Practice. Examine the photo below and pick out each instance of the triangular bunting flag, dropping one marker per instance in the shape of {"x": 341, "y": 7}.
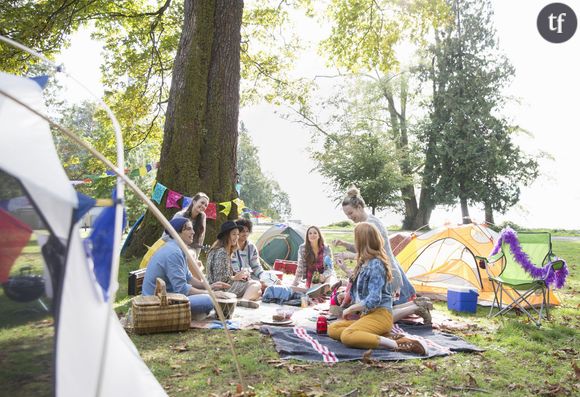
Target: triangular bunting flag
{"x": 186, "y": 201}
{"x": 172, "y": 199}
{"x": 158, "y": 193}
{"x": 227, "y": 207}
{"x": 240, "y": 205}
{"x": 142, "y": 171}
{"x": 211, "y": 211}
{"x": 14, "y": 235}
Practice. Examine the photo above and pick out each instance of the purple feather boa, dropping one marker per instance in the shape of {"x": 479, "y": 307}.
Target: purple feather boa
{"x": 556, "y": 278}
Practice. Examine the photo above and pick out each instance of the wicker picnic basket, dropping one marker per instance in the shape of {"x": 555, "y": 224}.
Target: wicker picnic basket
{"x": 162, "y": 312}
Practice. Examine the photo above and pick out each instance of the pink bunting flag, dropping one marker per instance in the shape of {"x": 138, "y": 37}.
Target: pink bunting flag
{"x": 211, "y": 211}
{"x": 172, "y": 199}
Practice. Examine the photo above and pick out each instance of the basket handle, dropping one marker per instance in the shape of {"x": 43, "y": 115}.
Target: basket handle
{"x": 161, "y": 291}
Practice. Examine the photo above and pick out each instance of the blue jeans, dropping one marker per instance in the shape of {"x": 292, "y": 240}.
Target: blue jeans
{"x": 407, "y": 289}
{"x": 200, "y": 303}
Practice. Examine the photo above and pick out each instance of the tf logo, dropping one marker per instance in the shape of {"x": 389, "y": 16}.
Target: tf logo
{"x": 557, "y": 23}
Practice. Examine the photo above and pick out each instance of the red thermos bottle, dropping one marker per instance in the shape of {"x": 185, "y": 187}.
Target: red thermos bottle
{"x": 321, "y": 325}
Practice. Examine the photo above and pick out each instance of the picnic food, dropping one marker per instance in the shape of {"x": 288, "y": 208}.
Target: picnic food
{"x": 278, "y": 317}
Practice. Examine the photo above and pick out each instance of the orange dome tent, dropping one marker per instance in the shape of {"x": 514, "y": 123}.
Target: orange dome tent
{"x": 444, "y": 258}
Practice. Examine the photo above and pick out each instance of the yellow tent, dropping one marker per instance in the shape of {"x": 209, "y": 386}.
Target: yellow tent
{"x": 444, "y": 259}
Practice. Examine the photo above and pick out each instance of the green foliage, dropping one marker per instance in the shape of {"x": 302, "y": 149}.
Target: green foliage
{"x": 341, "y": 224}
{"x": 86, "y": 121}
{"x": 358, "y": 146}
{"x": 475, "y": 159}
{"x": 259, "y": 192}
{"x": 365, "y": 32}
{"x": 365, "y": 159}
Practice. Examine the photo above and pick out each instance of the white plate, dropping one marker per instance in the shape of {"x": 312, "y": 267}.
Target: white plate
{"x": 272, "y": 322}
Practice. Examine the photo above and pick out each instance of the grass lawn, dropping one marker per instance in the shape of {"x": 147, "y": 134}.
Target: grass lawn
{"x": 520, "y": 359}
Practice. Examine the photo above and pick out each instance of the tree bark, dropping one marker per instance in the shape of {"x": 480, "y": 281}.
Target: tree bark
{"x": 489, "y": 214}
{"x": 401, "y": 139}
{"x": 464, "y": 211}
{"x": 201, "y": 127}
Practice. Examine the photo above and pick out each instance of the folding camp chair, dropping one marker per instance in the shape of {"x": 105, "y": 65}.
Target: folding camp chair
{"x": 515, "y": 282}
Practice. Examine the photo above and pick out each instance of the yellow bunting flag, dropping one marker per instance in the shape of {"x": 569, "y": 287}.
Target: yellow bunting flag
{"x": 240, "y": 204}
{"x": 142, "y": 171}
{"x": 227, "y": 207}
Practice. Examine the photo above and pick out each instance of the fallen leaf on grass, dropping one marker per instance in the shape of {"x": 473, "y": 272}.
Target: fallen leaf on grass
{"x": 180, "y": 349}
{"x": 397, "y": 389}
{"x": 553, "y": 389}
{"x": 43, "y": 324}
{"x": 240, "y": 391}
{"x": 431, "y": 366}
{"x": 576, "y": 369}
{"x": 514, "y": 386}
{"x": 292, "y": 368}
{"x": 366, "y": 358}
{"x": 472, "y": 381}
{"x": 217, "y": 370}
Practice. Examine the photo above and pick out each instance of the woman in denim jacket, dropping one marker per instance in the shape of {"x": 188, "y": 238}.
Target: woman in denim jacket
{"x": 373, "y": 298}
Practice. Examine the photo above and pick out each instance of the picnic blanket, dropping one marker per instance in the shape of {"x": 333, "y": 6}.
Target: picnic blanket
{"x": 302, "y": 344}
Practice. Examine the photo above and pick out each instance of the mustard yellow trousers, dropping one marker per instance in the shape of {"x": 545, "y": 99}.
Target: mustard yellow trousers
{"x": 363, "y": 333}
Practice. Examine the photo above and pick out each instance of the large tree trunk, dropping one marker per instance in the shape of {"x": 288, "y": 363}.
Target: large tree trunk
{"x": 201, "y": 127}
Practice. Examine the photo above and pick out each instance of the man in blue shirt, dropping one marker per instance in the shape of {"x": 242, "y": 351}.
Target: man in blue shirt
{"x": 169, "y": 263}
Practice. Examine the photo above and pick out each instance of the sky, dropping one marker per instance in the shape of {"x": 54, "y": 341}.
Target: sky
{"x": 545, "y": 88}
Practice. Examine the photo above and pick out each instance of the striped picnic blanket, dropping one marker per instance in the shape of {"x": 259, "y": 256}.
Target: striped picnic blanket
{"x": 302, "y": 344}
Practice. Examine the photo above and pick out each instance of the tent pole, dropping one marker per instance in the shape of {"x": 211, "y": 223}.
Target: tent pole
{"x": 154, "y": 210}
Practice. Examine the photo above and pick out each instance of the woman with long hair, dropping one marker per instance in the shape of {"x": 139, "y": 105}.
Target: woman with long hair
{"x": 219, "y": 266}
{"x": 373, "y": 298}
{"x": 195, "y": 212}
{"x": 314, "y": 261}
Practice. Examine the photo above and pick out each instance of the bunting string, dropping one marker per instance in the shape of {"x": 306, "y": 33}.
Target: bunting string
{"x": 173, "y": 198}
{"x": 140, "y": 171}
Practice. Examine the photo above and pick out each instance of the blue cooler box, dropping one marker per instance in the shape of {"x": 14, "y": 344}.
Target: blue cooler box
{"x": 462, "y": 299}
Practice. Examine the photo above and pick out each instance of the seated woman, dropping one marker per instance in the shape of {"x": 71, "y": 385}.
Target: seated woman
{"x": 219, "y": 266}
{"x": 170, "y": 264}
{"x": 315, "y": 263}
{"x": 373, "y": 298}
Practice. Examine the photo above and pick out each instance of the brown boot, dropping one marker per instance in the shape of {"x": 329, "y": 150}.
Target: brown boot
{"x": 408, "y": 345}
